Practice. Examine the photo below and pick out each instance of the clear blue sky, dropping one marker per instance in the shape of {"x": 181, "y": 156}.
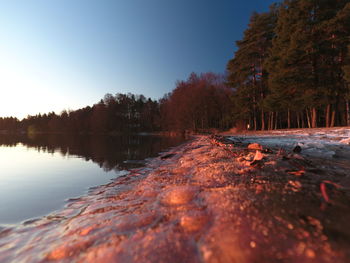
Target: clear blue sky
{"x": 60, "y": 54}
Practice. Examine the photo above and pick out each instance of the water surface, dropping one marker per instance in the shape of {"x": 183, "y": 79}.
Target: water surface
{"x": 39, "y": 173}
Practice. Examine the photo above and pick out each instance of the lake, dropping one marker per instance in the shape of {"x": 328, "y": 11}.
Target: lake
{"x": 39, "y": 173}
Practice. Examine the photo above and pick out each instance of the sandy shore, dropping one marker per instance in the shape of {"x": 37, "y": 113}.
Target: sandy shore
{"x": 209, "y": 200}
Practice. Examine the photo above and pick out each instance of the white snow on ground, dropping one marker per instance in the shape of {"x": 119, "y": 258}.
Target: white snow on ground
{"x": 323, "y": 143}
{"x": 332, "y": 134}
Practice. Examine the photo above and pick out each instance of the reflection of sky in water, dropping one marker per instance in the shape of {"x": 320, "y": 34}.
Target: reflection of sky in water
{"x": 35, "y": 183}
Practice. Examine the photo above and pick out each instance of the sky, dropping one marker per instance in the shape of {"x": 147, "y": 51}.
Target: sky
{"x": 67, "y": 54}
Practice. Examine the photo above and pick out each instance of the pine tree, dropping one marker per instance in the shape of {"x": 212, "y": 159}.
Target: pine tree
{"x": 306, "y": 59}
{"x": 331, "y": 33}
{"x": 346, "y": 71}
{"x": 246, "y": 70}
{"x": 284, "y": 64}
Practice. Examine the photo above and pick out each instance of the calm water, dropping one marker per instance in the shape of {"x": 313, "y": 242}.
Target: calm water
{"x": 39, "y": 173}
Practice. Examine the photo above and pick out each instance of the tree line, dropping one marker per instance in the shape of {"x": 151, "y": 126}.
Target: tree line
{"x": 290, "y": 70}
{"x": 121, "y": 113}
{"x": 198, "y": 104}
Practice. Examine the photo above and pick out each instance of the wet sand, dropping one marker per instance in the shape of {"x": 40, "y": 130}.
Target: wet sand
{"x": 208, "y": 200}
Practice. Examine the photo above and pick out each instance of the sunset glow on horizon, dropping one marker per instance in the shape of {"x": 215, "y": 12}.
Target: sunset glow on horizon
{"x": 58, "y": 55}
{"x": 31, "y": 87}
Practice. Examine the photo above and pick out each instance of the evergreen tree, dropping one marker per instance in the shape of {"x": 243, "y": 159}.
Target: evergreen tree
{"x": 346, "y": 70}
{"x": 306, "y": 60}
{"x": 247, "y": 75}
{"x": 283, "y": 93}
{"x": 332, "y": 31}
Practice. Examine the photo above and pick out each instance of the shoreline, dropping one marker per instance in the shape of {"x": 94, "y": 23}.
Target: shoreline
{"x": 207, "y": 200}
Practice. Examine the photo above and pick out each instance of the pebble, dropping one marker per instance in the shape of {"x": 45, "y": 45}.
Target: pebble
{"x": 255, "y": 146}
{"x": 252, "y": 244}
{"x": 179, "y": 195}
{"x": 310, "y": 253}
{"x": 258, "y": 156}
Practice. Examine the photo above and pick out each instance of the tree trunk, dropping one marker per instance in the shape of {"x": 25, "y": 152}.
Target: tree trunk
{"x": 255, "y": 125}
{"x": 249, "y": 125}
{"x": 272, "y": 120}
{"x": 288, "y": 118}
{"x": 314, "y": 118}
{"x": 302, "y": 120}
{"x": 276, "y": 121}
{"x": 347, "y": 113}
{"x": 298, "y": 119}
{"x": 308, "y": 118}
{"x": 254, "y": 99}
{"x": 328, "y": 110}
{"x": 333, "y": 118}
{"x": 261, "y": 93}
{"x": 262, "y": 120}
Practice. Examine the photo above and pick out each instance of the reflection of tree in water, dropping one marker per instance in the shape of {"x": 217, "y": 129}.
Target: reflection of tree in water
{"x": 109, "y": 152}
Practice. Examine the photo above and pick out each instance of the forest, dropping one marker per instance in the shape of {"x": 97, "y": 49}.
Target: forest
{"x": 290, "y": 70}
{"x": 122, "y": 113}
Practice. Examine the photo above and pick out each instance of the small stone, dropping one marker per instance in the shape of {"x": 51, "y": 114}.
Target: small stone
{"x": 206, "y": 253}
{"x": 258, "y": 156}
{"x": 310, "y": 253}
{"x": 297, "y": 149}
{"x": 179, "y": 195}
{"x": 255, "y": 146}
{"x": 259, "y": 188}
{"x": 252, "y": 244}
{"x": 265, "y": 232}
